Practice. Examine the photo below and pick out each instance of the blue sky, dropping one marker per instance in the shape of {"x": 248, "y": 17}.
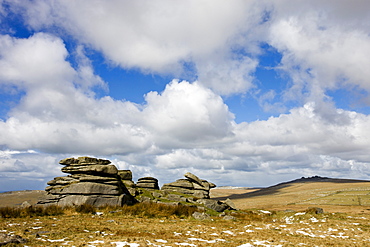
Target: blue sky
{"x": 243, "y": 93}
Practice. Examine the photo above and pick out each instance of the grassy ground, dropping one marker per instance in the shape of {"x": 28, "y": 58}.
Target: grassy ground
{"x": 333, "y": 197}
{"x": 276, "y": 216}
{"x": 16, "y": 198}
{"x": 251, "y": 228}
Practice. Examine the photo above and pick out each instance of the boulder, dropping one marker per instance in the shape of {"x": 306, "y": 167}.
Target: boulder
{"x": 230, "y": 204}
{"x": 201, "y": 216}
{"x": 193, "y": 178}
{"x": 10, "y": 239}
{"x": 148, "y": 183}
{"x": 126, "y": 178}
{"x": 125, "y": 174}
{"x": 214, "y": 205}
{"x": 192, "y": 185}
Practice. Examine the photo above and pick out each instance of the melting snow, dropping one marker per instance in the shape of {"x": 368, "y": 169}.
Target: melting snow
{"x": 265, "y": 212}
{"x": 302, "y": 213}
{"x": 122, "y": 244}
{"x": 161, "y": 241}
{"x": 97, "y": 242}
{"x": 56, "y": 240}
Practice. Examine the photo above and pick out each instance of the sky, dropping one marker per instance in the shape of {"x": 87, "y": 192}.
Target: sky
{"x": 241, "y": 93}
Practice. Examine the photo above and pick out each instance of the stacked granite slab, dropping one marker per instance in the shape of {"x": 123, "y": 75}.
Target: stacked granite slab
{"x": 192, "y": 185}
{"x": 91, "y": 181}
{"x": 148, "y": 183}
{"x": 126, "y": 178}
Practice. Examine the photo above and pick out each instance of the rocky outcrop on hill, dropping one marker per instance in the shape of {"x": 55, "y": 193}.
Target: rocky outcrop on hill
{"x": 148, "y": 183}
{"x": 91, "y": 181}
{"x": 192, "y": 185}
{"x": 98, "y": 182}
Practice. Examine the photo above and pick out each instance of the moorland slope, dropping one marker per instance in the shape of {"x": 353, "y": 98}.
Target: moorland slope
{"x": 331, "y": 194}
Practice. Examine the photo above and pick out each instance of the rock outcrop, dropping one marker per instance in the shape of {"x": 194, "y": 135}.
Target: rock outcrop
{"x": 98, "y": 182}
{"x": 192, "y": 185}
{"x": 148, "y": 183}
{"x": 91, "y": 181}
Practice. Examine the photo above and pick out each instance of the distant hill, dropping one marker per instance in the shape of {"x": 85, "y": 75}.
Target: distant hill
{"x": 16, "y": 198}
{"x": 333, "y": 194}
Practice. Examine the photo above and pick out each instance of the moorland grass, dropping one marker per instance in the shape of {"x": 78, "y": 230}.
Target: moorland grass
{"x": 128, "y": 224}
{"x": 147, "y": 209}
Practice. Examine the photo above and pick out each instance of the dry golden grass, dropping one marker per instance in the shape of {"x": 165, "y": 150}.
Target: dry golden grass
{"x": 331, "y": 196}
{"x": 256, "y": 228}
{"x": 264, "y": 221}
{"x": 15, "y": 198}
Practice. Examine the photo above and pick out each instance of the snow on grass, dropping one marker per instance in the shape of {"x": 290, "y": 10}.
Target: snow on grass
{"x": 161, "y": 241}
{"x": 97, "y": 242}
{"x": 125, "y": 244}
{"x": 265, "y": 211}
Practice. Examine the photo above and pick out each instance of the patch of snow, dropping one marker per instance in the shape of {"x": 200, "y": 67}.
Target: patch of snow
{"x": 314, "y": 220}
{"x": 97, "y": 242}
{"x": 161, "y": 241}
{"x": 265, "y": 211}
{"x": 122, "y": 244}
{"x": 56, "y": 240}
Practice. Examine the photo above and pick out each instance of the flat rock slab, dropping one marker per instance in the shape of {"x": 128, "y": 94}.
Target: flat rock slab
{"x": 91, "y": 169}
{"x": 84, "y": 160}
{"x": 95, "y": 200}
{"x": 88, "y": 188}
{"x": 181, "y": 183}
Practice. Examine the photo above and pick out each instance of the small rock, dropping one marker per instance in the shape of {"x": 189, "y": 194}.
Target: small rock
{"x": 11, "y": 239}
{"x": 229, "y": 217}
{"x": 315, "y": 210}
{"x": 25, "y": 204}
{"x": 201, "y": 216}
{"x": 231, "y": 204}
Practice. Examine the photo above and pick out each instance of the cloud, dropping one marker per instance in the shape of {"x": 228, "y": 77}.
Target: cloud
{"x": 37, "y": 60}
{"x": 189, "y": 113}
{"x": 59, "y": 114}
{"x": 322, "y": 48}
{"x": 159, "y": 37}
{"x": 187, "y": 126}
